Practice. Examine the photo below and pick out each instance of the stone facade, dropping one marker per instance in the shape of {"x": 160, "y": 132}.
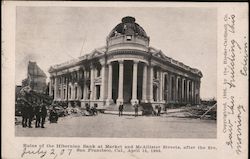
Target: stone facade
{"x": 126, "y": 70}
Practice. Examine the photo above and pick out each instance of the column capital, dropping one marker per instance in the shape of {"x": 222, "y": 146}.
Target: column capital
{"x": 92, "y": 65}
{"x": 145, "y": 64}
{"x": 136, "y": 61}
{"x": 109, "y": 63}
{"x": 102, "y": 62}
{"x": 120, "y": 61}
{"x": 165, "y": 73}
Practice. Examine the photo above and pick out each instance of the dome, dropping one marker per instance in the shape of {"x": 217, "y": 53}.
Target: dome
{"x": 128, "y": 26}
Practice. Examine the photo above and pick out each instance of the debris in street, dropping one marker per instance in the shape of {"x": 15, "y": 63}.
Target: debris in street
{"x": 202, "y": 111}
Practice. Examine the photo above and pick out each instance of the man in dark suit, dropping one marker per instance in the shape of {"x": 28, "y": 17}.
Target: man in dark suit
{"x": 43, "y": 114}
{"x": 136, "y": 106}
{"x": 120, "y": 109}
{"x": 24, "y": 114}
{"x": 38, "y": 110}
{"x": 30, "y": 114}
{"x": 159, "y": 111}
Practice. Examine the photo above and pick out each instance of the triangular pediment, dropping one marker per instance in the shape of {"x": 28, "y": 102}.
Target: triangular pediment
{"x": 95, "y": 53}
{"x": 160, "y": 54}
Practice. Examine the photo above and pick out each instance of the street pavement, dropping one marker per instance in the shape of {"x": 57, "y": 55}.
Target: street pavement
{"x": 108, "y": 125}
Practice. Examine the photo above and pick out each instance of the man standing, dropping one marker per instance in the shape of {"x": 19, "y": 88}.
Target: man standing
{"x": 38, "y": 111}
{"x": 136, "y": 109}
{"x": 43, "y": 114}
{"x": 24, "y": 114}
{"x": 120, "y": 109}
{"x": 30, "y": 114}
{"x": 159, "y": 111}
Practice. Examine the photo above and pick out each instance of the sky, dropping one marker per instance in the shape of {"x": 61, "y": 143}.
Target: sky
{"x": 53, "y": 35}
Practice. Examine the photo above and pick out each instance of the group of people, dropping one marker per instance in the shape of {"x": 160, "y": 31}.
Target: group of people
{"x": 29, "y": 112}
{"x": 157, "y": 110}
{"x": 91, "y": 110}
{"x": 136, "y": 108}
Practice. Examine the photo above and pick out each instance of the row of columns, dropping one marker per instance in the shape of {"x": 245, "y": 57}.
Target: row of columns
{"x": 189, "y": 88}
{"x": 88, "y": 93}
{"x": 186, "y": 92}
{"x": 121, "y": 81}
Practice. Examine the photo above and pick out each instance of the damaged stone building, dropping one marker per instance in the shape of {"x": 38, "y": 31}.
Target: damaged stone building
{"x": 126, "y": 70}
{"x": 36, "y": 78}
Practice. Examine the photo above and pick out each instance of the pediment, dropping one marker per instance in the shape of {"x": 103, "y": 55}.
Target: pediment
{"x": 159, "y": 54}
{"x": 96, "y": 53}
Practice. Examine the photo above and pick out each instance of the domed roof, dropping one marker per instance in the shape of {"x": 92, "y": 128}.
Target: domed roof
{"x": 128, "y": 27}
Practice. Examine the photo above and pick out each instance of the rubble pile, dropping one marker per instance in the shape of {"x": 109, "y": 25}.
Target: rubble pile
{"x": 202, "y": 111}
{"x": 28, "y": 96}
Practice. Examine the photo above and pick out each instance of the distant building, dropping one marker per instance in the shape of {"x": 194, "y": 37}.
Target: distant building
{"x": 36, "y": 78}
{"x": 18, "y": 88}
{"x": 126, "y": 70}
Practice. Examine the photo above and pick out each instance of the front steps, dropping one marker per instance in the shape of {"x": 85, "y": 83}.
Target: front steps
{"x": 127, "y": 107}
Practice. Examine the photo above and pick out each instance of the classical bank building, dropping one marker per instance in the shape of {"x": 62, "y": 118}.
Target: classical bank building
{"x": 126, "y": 70}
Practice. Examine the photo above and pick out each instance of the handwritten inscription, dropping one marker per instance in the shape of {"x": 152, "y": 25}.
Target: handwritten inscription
{"x": 240, "y": 110}
{"x": 244, "y": 63}
{"x": 235, "y": 61}
{"x": 39, "y": 152}
{"x": 42, "y": 152}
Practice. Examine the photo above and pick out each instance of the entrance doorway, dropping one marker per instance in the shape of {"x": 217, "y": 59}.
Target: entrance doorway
{"x": 128, "y": 80}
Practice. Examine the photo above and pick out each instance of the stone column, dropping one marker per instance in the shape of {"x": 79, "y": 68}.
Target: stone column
{"x": 55, "y": 89}
{"x": 163, "y": 87}
{"x": 151, "y": 77}
{"x": 192, "y": 92}
{"x": 109, "y": 98}
{"x": 120, "y": 87}
{"x": 92, "y": 84}
{"x": 85, "y": 89}
{"x": 73, "y": 91}
{"x": 50, "y": 87}
{"x": 188, "y": 93}
{"x": 69, "y": 91}
{"x": 103, "y": 71}
{"x": 62, "y": 98}
{"x": 195, "y": 92}
{"x": 195, "y": 100}
{"x": 144, "y": 84}
{"x": 173, "y": 88}
{"x": 160, "y": 86}
{"x": 183, "y": 89}
{"x": 198, "y": 100}
{"x": 66, "y": 91}
{"x": 134, "y": 89}
{"x": 78, "y": 85}
{"x": 177, "y": 89}
{"x": 170, "y": 87}
{"x": 61, "y": 86}
{"x": 79, "y": 92}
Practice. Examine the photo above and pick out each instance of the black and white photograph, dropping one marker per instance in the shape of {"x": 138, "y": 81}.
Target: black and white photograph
{"x": 116, "y": 72}
{"x": 124, "y": 80}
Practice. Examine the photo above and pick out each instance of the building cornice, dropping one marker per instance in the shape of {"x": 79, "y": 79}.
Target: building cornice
{"x": 161, "y": 57}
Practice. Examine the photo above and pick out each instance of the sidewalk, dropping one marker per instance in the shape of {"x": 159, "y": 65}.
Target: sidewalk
{"x": 123, "y": 113}
{"x": 128, "y": 113}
